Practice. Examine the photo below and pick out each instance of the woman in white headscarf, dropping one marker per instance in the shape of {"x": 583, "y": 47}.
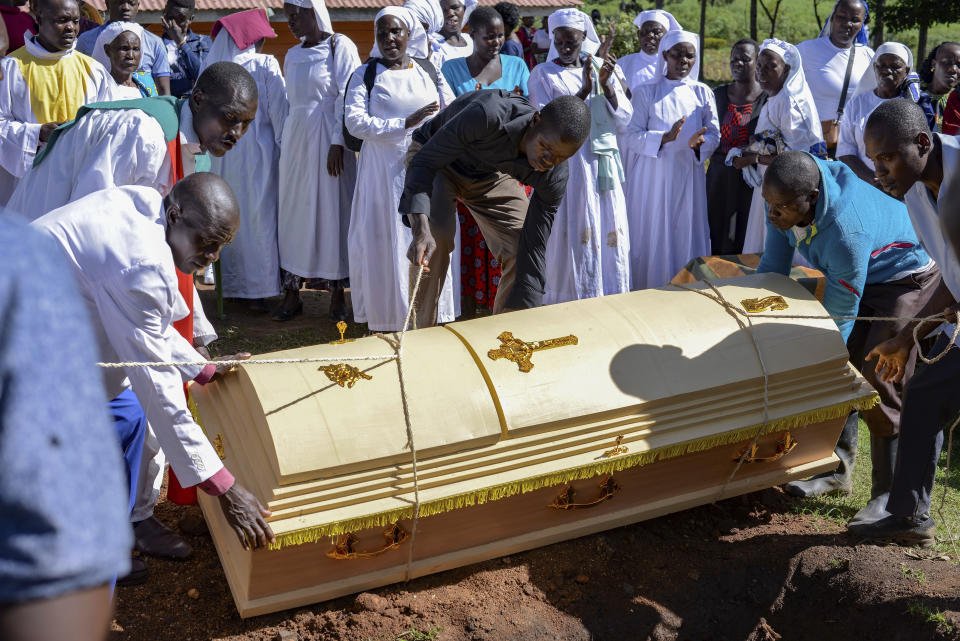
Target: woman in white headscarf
{"x": 890, "y": 76}
{"x": 673, "y": 132}
{"x": 317, "y": 173}
{"x": 450, "y": 42}
{"x": 788, "y": 120}
{"x": 588, "y": 250}
{"x": 250, "y": 265}
{"x": 404, "y": 95}
{"x": 429, "y": 14}
{"x": 118, "y": 48}
{"x": 641, "y": 67}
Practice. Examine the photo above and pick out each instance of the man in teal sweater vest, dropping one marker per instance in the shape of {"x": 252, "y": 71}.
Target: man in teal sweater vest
{"x": 863, "y": 242}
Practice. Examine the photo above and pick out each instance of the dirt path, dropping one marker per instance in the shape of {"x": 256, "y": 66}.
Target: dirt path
{"x": 746, "y": 569}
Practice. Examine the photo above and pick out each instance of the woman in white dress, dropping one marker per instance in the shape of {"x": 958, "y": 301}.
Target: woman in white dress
{"x": 673, "y": 132}
{"x": 890, "y": 76}
{"x": 450, "y": 42}
{"x": 588, "y": 253}
{"x": 317, "y": 173}
{"x": 788, "y": 120}
{"x": 641, "y": 67}
{"x": 404, "y": 95}
{"x": 250, "y": 265}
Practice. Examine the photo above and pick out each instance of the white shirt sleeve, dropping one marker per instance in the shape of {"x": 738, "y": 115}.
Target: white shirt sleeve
{"x": 356, "y": 109}
{"x": 136, "y": 311}
{"x": 646, "y": 141}
{"x": 710, "y": 120}
{"x": 18, "y": 137}
{"x": 345, "y": 62}
{"x": 275, "y": 100}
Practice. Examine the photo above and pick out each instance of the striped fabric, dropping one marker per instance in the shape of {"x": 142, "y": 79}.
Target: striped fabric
{"x": 716, "y": 267}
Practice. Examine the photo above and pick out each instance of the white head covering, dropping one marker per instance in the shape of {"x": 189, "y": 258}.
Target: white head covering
{"x": 868, "y": 81}
{"x": 416, "y": 44}
{"x": 672, "y": 38}
{"x": 109, "y": 34}
{"x": 795, "y": 88}
{"x": 863, "y": 36}
{"x": 319, "y": 9}
{"x": 468, "y": 7}
{"x": 426, "y": 11}
{"x": 666, "y": 19}
{"x": 575, "y": 19}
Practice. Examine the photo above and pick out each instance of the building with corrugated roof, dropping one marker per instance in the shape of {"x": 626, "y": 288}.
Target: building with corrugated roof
{"x": 353, "y": 18}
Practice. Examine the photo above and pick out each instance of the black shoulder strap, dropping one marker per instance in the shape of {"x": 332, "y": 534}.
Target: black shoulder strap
{"x": 429, "y": 67}
{"x": 370, "y": 74}
{"x": 846, "y": 82}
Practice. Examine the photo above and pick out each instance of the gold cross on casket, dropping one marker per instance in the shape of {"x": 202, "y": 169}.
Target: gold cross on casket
{"x": 520, "y": 352}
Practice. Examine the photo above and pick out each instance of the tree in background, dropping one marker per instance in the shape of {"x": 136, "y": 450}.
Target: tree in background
{"x": 904, "y": 15}
{"x": 772, "y": 17}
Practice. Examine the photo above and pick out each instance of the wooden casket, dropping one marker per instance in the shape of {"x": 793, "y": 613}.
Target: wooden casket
{"x": 628, "y": 407}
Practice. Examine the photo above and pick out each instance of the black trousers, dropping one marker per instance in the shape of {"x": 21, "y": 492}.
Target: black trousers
{"x": 931, "y": 400}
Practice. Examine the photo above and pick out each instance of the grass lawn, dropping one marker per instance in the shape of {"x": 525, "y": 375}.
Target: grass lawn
{"x": 842, "y": 508}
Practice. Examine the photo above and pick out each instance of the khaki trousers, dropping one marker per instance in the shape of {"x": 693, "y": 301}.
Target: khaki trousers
{"x": 498, "y": 204}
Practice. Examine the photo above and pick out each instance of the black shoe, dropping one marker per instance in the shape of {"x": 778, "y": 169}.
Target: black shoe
{"x": 155, "y": 539}
{"x": 897, "y": 529}
{"x": 138, "y": 573}
{"x": 283, "y": 315}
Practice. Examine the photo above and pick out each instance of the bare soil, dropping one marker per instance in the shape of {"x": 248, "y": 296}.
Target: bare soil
{"x": 747, "y": 569}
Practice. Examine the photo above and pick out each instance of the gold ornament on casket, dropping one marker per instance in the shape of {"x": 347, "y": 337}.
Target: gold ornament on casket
{"x": 767, "y": 303}
{"x": 534, "y": 459}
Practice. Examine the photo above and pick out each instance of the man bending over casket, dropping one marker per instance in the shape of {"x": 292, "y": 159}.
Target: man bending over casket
{"x": 123, "y": 245}
{"x": 863, "y": 242}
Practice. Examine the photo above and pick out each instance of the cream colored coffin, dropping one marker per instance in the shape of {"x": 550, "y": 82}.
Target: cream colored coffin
{"x": 641, "y": 407}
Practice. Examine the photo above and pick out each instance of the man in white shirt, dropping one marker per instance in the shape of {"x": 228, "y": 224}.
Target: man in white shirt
{"x": 124, "y": 246}
{"x": 921, "y": 167}
{"x": 826, "y": 60}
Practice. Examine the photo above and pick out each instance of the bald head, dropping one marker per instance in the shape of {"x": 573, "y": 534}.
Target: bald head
{"x": 202, "y": 216}
{"x": 224, "y": 103}
{"x": 791, "y": 189}
{"x": 794, "y": 172}
{"x": 900, "y": 119}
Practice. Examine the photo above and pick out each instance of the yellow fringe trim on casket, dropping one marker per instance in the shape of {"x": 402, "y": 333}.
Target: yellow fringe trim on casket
{"x": 609, "y": 466}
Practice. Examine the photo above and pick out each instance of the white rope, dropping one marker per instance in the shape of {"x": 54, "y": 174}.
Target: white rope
{"x": 252, "y": 361}
{"x": 406, "y": 417}
{"x": 718, "y": 298}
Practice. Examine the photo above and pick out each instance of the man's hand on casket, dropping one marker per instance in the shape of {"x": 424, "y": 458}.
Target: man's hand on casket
{"x": 223, "y": 369}
{"x": 246, "y": 515}
{"x": 892, "y": 356}
{"x": 423, "y": 244}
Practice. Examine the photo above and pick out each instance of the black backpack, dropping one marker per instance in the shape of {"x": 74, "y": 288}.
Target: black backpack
{"x": 350, "y": 141}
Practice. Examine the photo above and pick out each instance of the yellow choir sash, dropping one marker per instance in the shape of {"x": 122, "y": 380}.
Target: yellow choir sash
{"x": 58, "y": 86}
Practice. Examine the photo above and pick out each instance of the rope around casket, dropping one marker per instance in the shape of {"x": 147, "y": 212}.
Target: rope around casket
{"x": 738, "y": 314}
{"x": 734, "y": 311}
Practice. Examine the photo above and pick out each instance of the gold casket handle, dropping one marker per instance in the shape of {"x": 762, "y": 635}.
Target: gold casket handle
{"x": 344, "y": 549}
{"x": 564, "y": 500}
{"x": 784, "y": 446}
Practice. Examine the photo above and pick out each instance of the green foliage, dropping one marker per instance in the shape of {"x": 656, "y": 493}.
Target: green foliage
{"x": 930, "y": 615}
{"x": 417, "y": 635}
{"x": 797, "y": 20}
{"x": 714, "y": 43}
{"x": 916, "y": 574}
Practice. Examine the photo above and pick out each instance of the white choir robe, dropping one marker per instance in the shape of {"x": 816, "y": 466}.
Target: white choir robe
{"x": 639, "y": 69}
{"x": 667, "y": 187}
{"x": 115, "y": 242}
{"x": 789, "y": 115}
{"x": 250, "y": 264}
{"x": 19, "y": 129}
{"x": 588, "y": 252}
{"x": 378, "y": 240}
{"x": 853, "y": 124}
{"x": 315, "y": 206}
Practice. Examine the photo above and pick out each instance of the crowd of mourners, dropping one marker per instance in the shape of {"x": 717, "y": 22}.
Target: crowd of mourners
{"x": 507, "y": 166}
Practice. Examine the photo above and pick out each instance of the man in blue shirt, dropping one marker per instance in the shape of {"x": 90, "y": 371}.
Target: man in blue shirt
{"x": 64, "y": 502}
{"x": 863, "y": 242}
{"x": 924, "y": 169}
{"x": 153, "y": 54}
{"x": 185, "y": 49}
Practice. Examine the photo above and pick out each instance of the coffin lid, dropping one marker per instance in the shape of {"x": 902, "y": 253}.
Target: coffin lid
{"x": 646, "y": 351}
